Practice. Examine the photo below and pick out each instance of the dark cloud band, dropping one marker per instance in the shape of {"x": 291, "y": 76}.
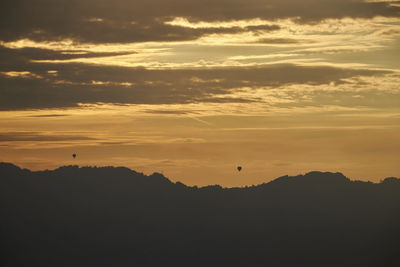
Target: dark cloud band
{"x": 67, "y": 85}
{"x": 108, "y": 21}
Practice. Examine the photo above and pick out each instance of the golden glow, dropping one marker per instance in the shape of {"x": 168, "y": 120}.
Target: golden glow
{"x": 183, "y": 22}
{"x": 21, "y": 74}
{"x": 269, "y": 145}
{"x": 197, "y": 128}
{"x": 295, "y": 43}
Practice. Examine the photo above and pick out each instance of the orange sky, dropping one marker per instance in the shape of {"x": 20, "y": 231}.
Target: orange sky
{"x": 195, "y": 89}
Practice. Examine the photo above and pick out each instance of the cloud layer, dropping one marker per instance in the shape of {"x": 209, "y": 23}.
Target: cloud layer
{"x": 138, "y": 21}
{"x": 69, "y": 84}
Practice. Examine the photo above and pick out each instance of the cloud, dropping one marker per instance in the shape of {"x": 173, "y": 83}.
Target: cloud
{"x": 48, "y": 115}
{"x": 391, "y": 32}
{"x": 278, "y": 41}
{"x": 139, "y": 21}
{"x": 22, "y": 56}
{"x": 68, "y": 85}
{"x": 168, "y": 112}
{"x": 37, "y": 136}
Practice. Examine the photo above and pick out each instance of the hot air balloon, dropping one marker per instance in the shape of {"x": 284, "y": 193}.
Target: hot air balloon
{"x": 74, "y": 155}
{"x": 239, "y": 168}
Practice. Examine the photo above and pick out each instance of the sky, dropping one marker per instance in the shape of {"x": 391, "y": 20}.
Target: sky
{"x": 193, "y": 89}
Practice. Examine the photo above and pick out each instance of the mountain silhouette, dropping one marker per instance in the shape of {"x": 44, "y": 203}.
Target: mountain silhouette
{"x": 113, "y": 216}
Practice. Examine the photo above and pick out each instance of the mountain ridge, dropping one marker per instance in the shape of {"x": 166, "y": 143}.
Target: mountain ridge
{"x": 71, "y": 169}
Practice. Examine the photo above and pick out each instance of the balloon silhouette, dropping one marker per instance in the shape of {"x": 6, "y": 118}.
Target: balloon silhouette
{"x": 74, "y": 155}
{"x": 239, "y": 168}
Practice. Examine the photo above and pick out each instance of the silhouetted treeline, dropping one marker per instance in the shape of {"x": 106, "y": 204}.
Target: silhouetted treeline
{"x": 117, "y": 217}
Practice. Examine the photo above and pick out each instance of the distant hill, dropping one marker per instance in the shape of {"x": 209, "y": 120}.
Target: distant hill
{"x": 110, "y": 216}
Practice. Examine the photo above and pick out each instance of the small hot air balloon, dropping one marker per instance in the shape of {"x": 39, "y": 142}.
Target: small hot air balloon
{"x": 239, "y": 168}
{"x": 74, "y": 155}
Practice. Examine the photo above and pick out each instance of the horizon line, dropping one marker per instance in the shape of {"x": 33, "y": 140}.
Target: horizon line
{"x": 196, "y": 186}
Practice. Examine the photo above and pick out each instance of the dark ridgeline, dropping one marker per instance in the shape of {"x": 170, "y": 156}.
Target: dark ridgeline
{"x": 117, "y": 217}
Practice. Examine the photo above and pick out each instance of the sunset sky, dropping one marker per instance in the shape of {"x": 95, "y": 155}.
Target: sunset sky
{"x": 194, "y": 88}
